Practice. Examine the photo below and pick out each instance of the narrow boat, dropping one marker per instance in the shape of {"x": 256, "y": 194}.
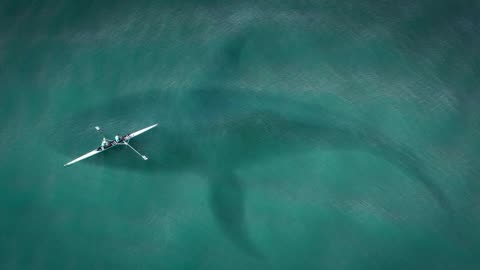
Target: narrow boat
{"x": 121, "y": 140}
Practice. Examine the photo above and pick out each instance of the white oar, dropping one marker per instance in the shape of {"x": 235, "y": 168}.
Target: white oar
{"x": 144, "y": 157}
{"x": 98, "y": 129}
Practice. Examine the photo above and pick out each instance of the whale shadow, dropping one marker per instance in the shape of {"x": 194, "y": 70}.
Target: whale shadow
{"x": 213, "y": 131}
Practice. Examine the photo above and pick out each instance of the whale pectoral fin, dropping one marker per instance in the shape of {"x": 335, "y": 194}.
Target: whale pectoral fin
{"x": 227, "y": 200}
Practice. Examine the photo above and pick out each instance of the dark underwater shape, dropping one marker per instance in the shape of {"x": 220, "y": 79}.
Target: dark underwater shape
{"x": 214, "y": 131}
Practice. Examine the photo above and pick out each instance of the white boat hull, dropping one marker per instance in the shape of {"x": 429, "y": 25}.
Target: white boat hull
{"x": 111, "y": 144}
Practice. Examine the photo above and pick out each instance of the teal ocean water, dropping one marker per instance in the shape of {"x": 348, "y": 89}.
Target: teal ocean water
{"x": 292, "y": 134}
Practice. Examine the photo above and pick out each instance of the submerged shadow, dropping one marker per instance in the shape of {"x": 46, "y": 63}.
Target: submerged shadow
{"x": 240, "y": 126}
{"x": 227, "y": 200}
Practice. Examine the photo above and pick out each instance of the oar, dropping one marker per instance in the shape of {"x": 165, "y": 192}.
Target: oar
{"x": 144, "y": 157}
{"x": 98, "y": 129}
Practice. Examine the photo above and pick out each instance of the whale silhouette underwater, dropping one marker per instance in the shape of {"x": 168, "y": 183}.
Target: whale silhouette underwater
{"x": 214, "y": 131}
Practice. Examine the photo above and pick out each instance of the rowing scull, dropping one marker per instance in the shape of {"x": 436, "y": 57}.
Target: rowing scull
{"x": 124, "y": 141}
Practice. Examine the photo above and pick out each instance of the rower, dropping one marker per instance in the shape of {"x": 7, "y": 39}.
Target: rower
{"x": 104, "y": 143}
{"x": 117, "y": 138}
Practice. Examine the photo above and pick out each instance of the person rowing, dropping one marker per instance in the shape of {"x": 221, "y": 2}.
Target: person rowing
{"x": 118, "y": 138}
{"x": 104, "y": 143}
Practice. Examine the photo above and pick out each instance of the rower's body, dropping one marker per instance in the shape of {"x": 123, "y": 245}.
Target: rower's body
{"x": 104, "y": 143}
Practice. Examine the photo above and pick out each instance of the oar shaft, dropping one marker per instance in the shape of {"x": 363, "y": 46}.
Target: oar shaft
{"x": 101, "y": 132}
{"x": 138, "y": 153}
